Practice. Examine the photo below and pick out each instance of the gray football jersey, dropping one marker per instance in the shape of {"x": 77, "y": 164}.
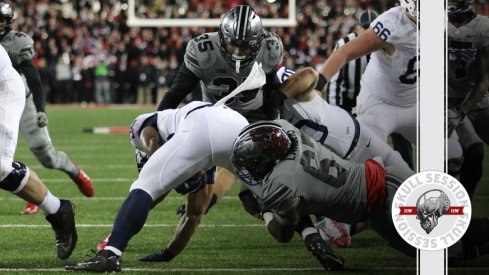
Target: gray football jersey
{"x": 463, "y": 44}
{"x": 19, "y": 46}
{"x": 314, "y": 180}
{"x": 218, "y": 78}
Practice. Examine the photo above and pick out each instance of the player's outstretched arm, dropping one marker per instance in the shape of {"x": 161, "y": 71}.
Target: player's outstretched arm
{"x": 479, "y": 71}
{"x": 367, "y": 42}
{"x": 184, "y": 82}
{"x": 33, "y": 79}
{"x": 300, "y": 85}
{"x": 196, "y": 206}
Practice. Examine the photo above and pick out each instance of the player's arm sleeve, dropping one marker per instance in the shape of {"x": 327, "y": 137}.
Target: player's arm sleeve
{"x": 197, "y": 204}
{"x": 272, "y": 98}
{"x": 182, "y": 85}
{"x": 29, "y": 70}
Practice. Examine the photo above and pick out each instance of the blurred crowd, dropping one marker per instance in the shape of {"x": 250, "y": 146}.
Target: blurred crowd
{"x": 86, "y": 53}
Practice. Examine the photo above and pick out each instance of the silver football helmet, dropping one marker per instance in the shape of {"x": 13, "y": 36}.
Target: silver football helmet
{"x": 257, "y": 149}
{"x": 460, "y": 10}
{"x": 410, "y": 6}
{"x": 6, "y": 18}
{"x": 241, "y": 33}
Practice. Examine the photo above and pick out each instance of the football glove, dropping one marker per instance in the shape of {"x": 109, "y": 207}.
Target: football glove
{"x": 141, "y": 159}
{"x": 41, "y": 119}
{"x": 195, "y": 185}
{"x": 163, "y": 256}
{"x": 455, "y": 117}
{"x": 251, "y": 204}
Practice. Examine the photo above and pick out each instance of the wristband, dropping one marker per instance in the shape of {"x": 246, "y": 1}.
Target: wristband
{"x": 322, "y": 81}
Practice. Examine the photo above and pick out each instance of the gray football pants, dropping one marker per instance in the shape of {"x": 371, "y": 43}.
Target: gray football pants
{"x": 40, "y": 143}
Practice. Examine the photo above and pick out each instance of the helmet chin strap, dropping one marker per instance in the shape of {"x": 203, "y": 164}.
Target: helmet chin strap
{"x": 237, "y": 64}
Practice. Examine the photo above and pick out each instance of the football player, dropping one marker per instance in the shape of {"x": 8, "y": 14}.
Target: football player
{"x": 16, "y": 177}
{"x": 468, "y": 81}
{"x": 293, "y": 175}
{"x": 34, "y": 121}
{"x": 182, "y": 144}
{"x": 387, "y": 100}
{"x": 336, "y": 129}
{"x": 220, "y": 61}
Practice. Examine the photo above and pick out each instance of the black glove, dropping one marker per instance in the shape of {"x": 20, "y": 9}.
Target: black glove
{"x": 41, "y": 119}
{"x": 251, "y": 204}
{"x": 192, "y": 186}
{"x": 181, "y": 210}
{"x": 141, "y": 159}
{"x": 455, "y": 117}
{"x": 163, "y": 256}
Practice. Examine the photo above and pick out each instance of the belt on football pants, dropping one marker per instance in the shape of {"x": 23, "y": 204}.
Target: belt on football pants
{"x": 355, "y": 136}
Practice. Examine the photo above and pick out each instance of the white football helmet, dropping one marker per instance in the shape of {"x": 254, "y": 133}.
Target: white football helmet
{"x": 411, "y": 7}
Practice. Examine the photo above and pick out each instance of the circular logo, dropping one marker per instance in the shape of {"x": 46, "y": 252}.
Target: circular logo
{"x": 431, "y": 210}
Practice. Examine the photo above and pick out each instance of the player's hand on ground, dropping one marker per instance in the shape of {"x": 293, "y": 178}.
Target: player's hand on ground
{"x": 41, "y": 119}
{"x": 162, "y": 256}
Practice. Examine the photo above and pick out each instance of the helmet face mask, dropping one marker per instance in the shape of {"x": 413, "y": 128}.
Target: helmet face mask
{"x": 6, "y": 18}
{"x": 240, "y": 33}
{"x": 411, "y": 7}
{"x": 460, "y": 10}
{"x": 257, "y": 149}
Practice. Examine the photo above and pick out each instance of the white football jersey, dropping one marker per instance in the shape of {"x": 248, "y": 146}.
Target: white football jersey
{"x": 393, "y": 77}
{"x": 5, "y": 62}
{"x": 167, "y": 122}
{"x": 197, "y": 137}
{"x": 218, "y": 78}
{"x": 328, "y": 124}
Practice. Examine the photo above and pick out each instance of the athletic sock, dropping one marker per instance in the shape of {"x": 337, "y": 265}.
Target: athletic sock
{"x": 50, "y": 204}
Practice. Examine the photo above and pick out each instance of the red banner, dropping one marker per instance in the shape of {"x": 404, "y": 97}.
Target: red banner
{"x": 408, "y": 210}
{"x": 411, "y": 210}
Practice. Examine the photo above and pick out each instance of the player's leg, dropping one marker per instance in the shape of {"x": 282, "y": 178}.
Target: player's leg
{"x": 473, "y": 154}
{"x": 186, "y": 153}
{"x": 375, "y": 114}
{"x": 381, "y": 219}
{"x": 59, "y": 213}
{"x": 479, "y": 120}
{"x": 16, "y": 178}
{"x": 41, "y": 146}
{"x": 404, "y": 147}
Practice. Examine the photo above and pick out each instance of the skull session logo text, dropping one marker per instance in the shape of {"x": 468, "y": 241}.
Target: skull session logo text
{"x": 431, "y": 210}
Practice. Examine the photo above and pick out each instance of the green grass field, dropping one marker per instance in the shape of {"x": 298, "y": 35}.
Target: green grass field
{"x": 228, "y": 241}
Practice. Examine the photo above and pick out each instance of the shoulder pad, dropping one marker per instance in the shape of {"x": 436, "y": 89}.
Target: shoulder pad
{"x": 202, "y": 53}
{"x": 19, "y": 46}
{"x": 284, "y": 73}
{"x": 272, "y": 51}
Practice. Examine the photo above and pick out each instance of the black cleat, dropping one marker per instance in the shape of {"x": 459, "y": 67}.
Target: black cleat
{"x": 320, "y": 249}
{"x": 63, "y": 224}
{"x": 105, "y": 261}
